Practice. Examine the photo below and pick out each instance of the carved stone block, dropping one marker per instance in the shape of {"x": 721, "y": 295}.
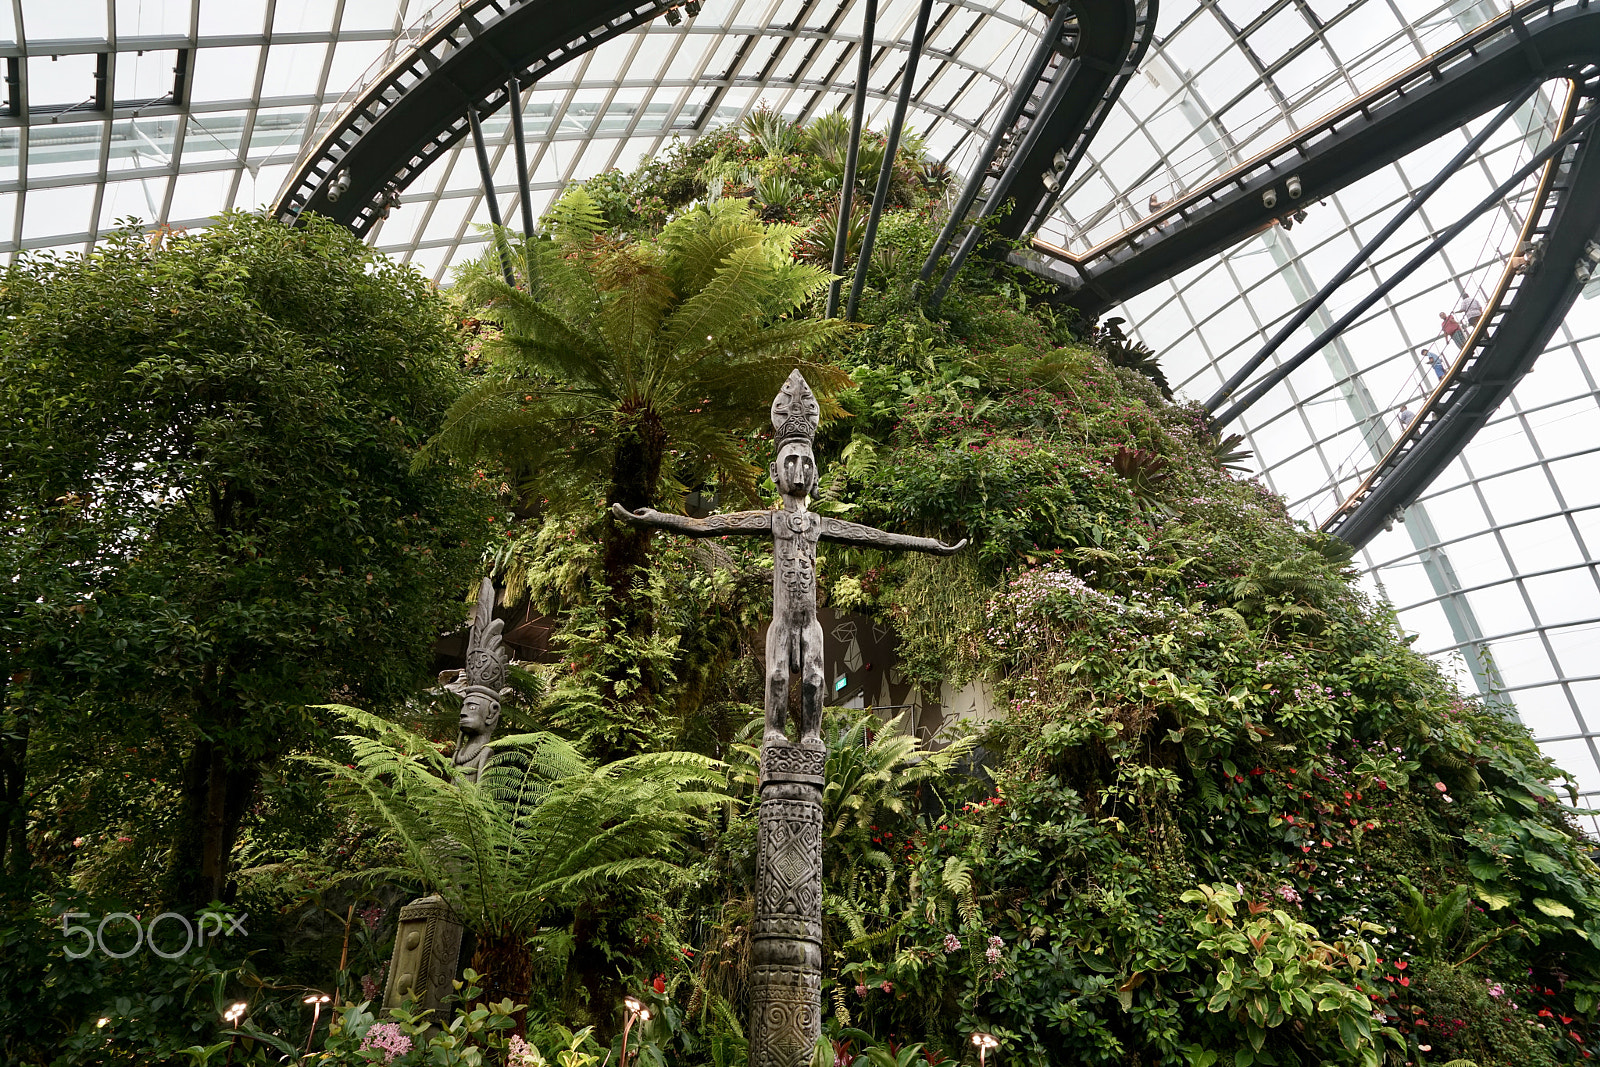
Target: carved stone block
{"x": 427, "y": 944}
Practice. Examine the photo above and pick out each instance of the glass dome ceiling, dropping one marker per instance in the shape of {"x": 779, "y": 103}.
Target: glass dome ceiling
{"x": 172, "y": 110}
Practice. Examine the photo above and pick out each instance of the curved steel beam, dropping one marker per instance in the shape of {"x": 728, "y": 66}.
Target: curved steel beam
{"x": 416, "y": 109}
{"x": 1047, "y": 141}
{"x": 1113, "y": 38}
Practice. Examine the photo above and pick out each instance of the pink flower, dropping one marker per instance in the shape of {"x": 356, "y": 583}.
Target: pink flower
{"x": 861, "y": 990}
{"x": 952, "y": 943}
{"x": 387, "y": 1039}
{"x": 518, "y": 1054}
{"x": 1497, "y": 990}
{"x": 888, "y": 987}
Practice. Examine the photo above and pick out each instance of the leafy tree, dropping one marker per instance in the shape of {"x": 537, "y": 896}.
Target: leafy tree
{"x": 636, "y": 367}
{"x": 211, "y": 513}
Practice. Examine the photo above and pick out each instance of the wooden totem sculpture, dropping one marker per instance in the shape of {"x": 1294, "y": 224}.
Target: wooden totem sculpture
{"x": 786, "y": 950}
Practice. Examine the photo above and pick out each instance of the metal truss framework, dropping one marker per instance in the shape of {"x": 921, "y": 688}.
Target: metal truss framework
{"x": 1545, "y": 39}
{"x": 427, "y": 100}
{"x": 1242, "y": 64}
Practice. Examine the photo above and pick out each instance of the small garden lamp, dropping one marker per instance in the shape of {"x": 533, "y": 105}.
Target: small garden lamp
{"x": 231, "y": 1017}
{"x": 316, "y": 1000}
{"x": 636, "y": 1011}
{"x": 985, "y": 1041}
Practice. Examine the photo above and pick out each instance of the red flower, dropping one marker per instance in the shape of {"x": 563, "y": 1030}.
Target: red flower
{"x": 660, "y": 984}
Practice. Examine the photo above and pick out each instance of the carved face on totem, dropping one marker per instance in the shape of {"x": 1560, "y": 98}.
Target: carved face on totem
{"x": 480, "y": 714}
{"x": 795, "y": 470}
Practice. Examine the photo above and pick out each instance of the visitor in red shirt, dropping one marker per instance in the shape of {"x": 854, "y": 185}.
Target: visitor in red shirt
{"x": 1452, "y": 330}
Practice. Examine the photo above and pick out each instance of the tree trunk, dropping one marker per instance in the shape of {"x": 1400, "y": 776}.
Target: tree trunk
{"x": 635, "y": 476}
{"x": 217, "y": 791}
{"x": 15, "y": 859}
{"x": 505, "y": 969}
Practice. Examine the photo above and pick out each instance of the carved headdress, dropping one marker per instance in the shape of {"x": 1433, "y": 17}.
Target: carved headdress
{"x": 487, "y": 654}
{"x": 795, "y": 411}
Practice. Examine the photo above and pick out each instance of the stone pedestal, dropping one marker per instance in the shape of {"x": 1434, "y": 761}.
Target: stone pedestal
{"x": 427, "y": 944}
{"x": 786, "y": 940}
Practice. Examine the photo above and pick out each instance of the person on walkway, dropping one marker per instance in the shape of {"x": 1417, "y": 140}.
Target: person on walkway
{"x": 1452, "y": 330}
{"x": 1404, "y": 417}
{"x": 1468, "y": 311}
{"x": 1435, "y": 360}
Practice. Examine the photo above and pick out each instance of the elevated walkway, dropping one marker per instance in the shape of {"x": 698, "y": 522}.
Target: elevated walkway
{"x": 1543, "y": 39}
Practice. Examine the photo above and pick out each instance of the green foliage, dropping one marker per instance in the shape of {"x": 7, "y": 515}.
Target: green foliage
{"x": 229, "y": 420}
{"x": 775, "y": 135}
{"x": 516, "y": 853}
{"x": 1216, "y": 814}
{"x": 1272, "y": 973}
{"x": 52, "y": 1006}
{"x": 642, "y": 360}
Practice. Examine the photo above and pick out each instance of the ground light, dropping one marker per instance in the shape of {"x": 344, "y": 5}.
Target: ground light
{"x": 635, "y": 1011}
{"x": 985, "y": 1041}
{"x": 316, "y": 1000}
{"x": 231, "y": 1017}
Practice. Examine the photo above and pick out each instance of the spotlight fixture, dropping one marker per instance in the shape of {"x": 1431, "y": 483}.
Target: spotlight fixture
{"x": 1269, "y": 199}
{"x": 1292, "y": 186}
{"x": 341, "y": 183}
{"x": 674, "y": 16}
{"x": 1586, "y": 265}
{"x": 692, "y": 8}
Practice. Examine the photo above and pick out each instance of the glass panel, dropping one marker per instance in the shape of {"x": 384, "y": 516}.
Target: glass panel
{"x": 145, "y": 76}
{"x": 153, "y": 19}
{"x": 61, "y": 81}
{"x": 52, "y": 20}
{"x": 224, "y": 73}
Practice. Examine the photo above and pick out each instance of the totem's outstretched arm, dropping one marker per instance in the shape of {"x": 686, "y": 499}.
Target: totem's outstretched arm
{"x": 739, "y": 522}
{"x": 852, "y": 533}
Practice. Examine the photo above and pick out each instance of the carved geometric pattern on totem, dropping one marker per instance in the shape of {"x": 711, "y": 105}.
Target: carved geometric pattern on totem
{"x": 791, "y": 762}
{"x": 784, "y": 1029}
{"x": 789, "y": 861}
{"x": 787, "y": 928}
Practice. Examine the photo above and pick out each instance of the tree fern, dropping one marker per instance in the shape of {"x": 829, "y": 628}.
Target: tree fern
{"x": 540, "y": 833}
